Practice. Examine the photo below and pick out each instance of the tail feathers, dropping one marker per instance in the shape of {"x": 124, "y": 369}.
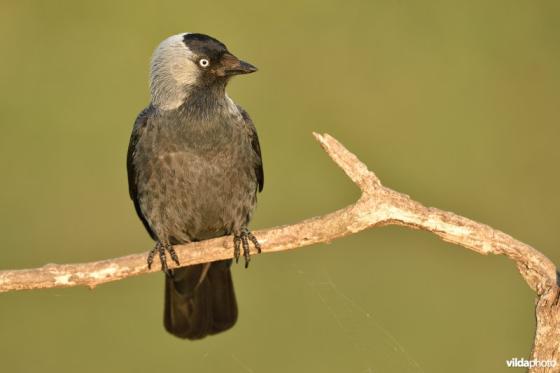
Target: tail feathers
{"x": 200, "y": 300}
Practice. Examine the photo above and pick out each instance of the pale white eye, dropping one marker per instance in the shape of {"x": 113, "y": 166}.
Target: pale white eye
{"x": 204, "y": 62}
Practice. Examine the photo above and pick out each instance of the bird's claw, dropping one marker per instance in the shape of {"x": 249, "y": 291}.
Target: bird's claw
{"x": 161, "y": 249}
{"x": 242, "y": 239}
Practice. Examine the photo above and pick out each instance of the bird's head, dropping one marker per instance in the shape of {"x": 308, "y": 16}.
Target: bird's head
{"x": 187, "y": 62}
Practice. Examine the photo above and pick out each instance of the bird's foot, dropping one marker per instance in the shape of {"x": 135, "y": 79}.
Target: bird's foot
{"x": 242, "y": 239}
{"x": 161, "y": 249}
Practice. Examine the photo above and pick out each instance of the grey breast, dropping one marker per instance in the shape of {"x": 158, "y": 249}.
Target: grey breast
{"x": 200, "y": 181}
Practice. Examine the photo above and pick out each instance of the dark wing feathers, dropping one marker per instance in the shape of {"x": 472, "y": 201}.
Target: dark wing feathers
{"x": 137, "y": 131}
{"x": 259, "y": 172}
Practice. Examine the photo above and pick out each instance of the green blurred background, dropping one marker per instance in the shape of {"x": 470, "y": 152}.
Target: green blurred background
{"x": 454, "y": 103}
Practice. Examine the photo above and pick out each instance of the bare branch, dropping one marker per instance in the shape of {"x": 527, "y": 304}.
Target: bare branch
{"x": 377, "y": 206}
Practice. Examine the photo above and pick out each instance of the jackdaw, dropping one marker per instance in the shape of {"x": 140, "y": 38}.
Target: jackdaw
{"x": 194, "y": 168}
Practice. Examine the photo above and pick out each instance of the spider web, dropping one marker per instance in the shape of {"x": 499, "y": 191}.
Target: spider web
{"x": 373, "y": 343}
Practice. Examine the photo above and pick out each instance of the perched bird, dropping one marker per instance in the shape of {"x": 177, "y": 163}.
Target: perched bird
{"x": 194, "y": 168}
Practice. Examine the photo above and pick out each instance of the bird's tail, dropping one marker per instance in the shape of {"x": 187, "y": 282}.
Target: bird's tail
{"x": 199, "y": 300}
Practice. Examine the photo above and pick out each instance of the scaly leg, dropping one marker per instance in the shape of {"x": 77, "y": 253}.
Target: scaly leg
{"x": 242, "y": 239}
{"x": 161, "y": 249}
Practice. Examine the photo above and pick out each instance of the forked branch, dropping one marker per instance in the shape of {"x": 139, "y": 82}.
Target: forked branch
{"x": 377, "y": 206}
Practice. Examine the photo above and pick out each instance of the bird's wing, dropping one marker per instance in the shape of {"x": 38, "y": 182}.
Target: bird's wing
{"x": 259, "y": 172}
{"x": 137, "y": 132}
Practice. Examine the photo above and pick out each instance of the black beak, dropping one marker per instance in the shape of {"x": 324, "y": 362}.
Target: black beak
{"x": 231, "y": 65}
{"x": 246, "y": 68}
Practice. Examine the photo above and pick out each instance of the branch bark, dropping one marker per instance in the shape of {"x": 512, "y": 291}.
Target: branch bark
{"x": 377, "y": 206}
